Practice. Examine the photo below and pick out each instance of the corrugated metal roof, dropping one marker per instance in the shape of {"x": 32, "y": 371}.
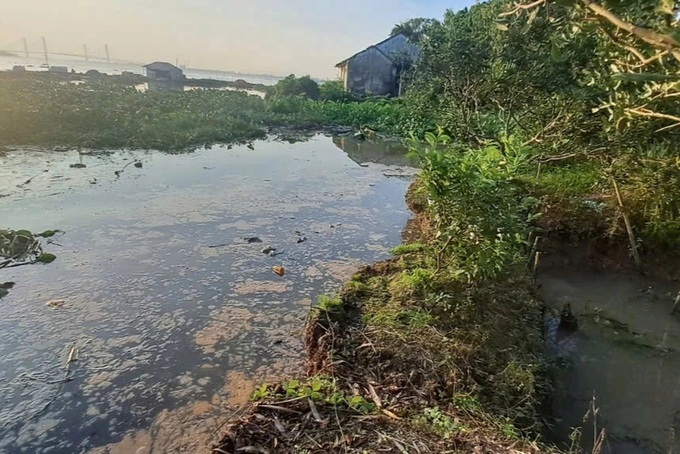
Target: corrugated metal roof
{"x": 161, "y": 66}
{"x": 370, "y": 47}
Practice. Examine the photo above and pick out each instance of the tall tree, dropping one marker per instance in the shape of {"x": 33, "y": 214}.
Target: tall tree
{"x": 414, "y": 29}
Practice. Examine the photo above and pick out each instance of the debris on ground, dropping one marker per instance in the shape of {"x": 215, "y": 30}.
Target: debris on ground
{"x": 78, "y": 165}
{"x": 56, "y": 303}
{"x": 301, "y": 239}
{"x": 268, "y": 250}
{"x": 279, "y": 270}
{"x": 139, "y": 164}
{"x": 252, "y": 239}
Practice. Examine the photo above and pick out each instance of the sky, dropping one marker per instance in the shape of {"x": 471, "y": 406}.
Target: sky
{"x": 277, "y": 37}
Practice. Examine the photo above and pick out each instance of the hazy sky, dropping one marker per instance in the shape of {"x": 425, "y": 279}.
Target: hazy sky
{"x": 263, "y": 36}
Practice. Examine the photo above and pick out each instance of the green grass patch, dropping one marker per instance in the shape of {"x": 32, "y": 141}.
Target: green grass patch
{"x": 574, "y": 180}
{"x": 407, "y": 248}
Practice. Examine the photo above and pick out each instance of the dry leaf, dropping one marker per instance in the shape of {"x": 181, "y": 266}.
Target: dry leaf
{"x": 279, "y": 270}
{"x": 56, "y": 303}
{"x": 390, "y": 414}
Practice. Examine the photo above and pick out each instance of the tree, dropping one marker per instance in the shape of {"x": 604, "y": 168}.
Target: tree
{"x": 414, "y": 29}
{"x": 481, "y": 82}
{"x": 639, "y": 46}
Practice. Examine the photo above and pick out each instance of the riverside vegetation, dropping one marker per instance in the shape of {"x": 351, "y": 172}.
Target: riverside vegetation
{"x": 554, "y": 119}
{"x": 551, "y": 118}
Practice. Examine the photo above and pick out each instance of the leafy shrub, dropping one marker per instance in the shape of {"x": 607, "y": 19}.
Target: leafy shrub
{"x": 292, "y": 86}
{"x": 334, "y": 90}
{"x": 477, "y": 210}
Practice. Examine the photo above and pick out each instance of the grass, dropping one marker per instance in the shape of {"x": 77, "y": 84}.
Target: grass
{"x": 574, "y": 180}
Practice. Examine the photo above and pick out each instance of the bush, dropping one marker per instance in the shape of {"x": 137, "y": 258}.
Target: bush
{"x": 334, "y": 90}
{"x": 292, "y": 86}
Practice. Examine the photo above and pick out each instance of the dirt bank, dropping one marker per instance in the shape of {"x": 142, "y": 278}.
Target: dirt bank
{"x": 404, "y": 359}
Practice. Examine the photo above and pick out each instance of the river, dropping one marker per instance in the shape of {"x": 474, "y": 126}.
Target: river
{"x": 117, "y": 68}
{"x": 174, "y": 315}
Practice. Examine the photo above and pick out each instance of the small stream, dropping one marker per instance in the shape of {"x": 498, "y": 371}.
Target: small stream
{"x": 625, "y": 354}
{"x": 174, "y": 314}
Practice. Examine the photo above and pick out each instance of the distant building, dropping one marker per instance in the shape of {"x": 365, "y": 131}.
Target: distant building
{"x": 161, "y": 71}
{"x": 378, "y": 69}
{"x": 58, "y": 69}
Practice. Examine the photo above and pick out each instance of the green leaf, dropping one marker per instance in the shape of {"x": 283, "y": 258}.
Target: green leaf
{"x": 47, "y": 258}
{"x": 48, "y": 233}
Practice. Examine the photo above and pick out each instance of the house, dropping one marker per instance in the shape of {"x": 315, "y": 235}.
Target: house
{"x": 161, "y": 71}
{"x": 378, "y": 69}
{"x": 58, "y": 69}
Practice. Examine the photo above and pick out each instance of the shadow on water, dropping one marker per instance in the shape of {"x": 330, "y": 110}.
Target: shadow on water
{"x": 173, "y": 314}
{"x": 626, "y": 353}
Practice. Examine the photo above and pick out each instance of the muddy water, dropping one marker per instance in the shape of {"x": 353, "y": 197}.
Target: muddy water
{"x": 625, "y": 353}
{"x": 175, "y": 316}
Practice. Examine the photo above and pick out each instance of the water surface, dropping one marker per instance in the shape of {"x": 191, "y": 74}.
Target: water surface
{"x": 173, "y": 314}
{"x": 625, "y": 355}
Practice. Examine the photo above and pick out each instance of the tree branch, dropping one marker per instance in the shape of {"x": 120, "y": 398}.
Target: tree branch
{"x": 520, "y": 7}
{"x": 650, "y": 113}
{"x": 658, "y": 40}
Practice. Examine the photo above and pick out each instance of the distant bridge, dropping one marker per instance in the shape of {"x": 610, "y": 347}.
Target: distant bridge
{"x": 65, "y": 54}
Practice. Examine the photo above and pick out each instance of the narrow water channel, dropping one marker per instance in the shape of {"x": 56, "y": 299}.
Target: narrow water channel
{"x": 625, "y": 355}
{"x": 174, "y": 314}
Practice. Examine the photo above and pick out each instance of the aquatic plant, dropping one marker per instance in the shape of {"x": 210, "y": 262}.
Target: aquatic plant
{"x": 19, "y": 247}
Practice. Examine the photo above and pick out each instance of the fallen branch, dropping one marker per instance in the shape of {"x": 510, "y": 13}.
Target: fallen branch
{"x": 629, "y": 228}
{"x": 676, "y": 305}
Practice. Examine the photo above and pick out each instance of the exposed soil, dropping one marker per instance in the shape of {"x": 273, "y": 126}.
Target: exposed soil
{"x": 401, "y": 378}
{"x": 403, "y": 374}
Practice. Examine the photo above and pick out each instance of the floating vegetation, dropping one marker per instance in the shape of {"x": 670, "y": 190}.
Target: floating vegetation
{"x": 103, "y": 115}
{"x": 21, "y": 247}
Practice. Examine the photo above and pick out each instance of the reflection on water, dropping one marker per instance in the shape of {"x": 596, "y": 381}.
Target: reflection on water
{"x": 626, "y": 353}
{"x": 368, "y": 151}
{"x": 173, "y": 313}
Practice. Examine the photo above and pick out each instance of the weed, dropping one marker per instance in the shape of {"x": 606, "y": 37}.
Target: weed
{"x": 263, "y": 392}
{"x": 417, "y": 281}
{"x": 321, "y": 389}
{"x": 408, "y": 248}
{"x": 442, "y": 423}
{"x": 467, "y": 402}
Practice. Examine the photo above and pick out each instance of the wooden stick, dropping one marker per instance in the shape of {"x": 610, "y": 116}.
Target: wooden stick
{"x": 537, "y": 260}
{"x": 676, "y": 304}
{"x": 629, "y": 228}
{"x": 534, "y": 249}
